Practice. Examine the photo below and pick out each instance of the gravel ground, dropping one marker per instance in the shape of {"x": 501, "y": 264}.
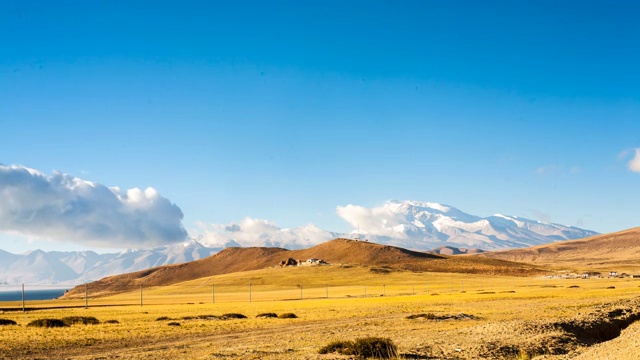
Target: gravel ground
{"x": 626, "y": 346}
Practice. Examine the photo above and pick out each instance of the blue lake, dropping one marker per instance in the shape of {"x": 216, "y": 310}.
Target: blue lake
{"x": 16, "y": 295}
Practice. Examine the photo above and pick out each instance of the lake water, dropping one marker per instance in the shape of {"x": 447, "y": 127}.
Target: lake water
{"x": 16, "y": 295}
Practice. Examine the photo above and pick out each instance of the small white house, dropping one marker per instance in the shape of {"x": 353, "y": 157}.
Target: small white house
{"x": 312, "y": 262}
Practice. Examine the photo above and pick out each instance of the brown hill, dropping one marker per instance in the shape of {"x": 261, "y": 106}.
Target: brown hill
{"x": 338, "y": 251}
{"x": 615, "y": 251}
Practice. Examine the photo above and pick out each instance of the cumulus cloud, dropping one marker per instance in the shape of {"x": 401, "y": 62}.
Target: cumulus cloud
{"x": 66, "y": 208}
{"x": 634, "y": 163}
{"x": 259, "y": 232}
{"x": 382, "y": 220}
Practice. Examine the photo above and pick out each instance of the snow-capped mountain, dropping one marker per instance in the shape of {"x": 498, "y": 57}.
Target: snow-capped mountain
{"x": 408, "y": 224}
{"x": 425, "y": 225}
{"x": 73, "y": 267}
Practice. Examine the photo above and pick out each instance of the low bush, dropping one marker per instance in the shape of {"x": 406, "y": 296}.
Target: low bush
{"x": 112, "y": 321}
{"x": 369, "y": 347}
{"x": 288, "y": 316}
{"x": 337, "y": 346}
{"x": 375, "y": 347}
{"x": 207, "y": 317}
{"x": 380, "y": 271}
{"x": 430, "y": 316}
{"x": 173, "y": 323}
{"x": 267, "y": 315}
{"x": 163, "y": 318}
{"x": 574, "y": 287}
{"x": 48, "y": 323}
{"x": 611, "y": 287}
{"x": 232, "y": 316}
{"x": 84, "y": 320}
{"x": 7, "y": 322}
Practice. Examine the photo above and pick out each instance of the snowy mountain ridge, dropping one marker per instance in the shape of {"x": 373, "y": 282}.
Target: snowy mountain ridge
{"x": 409, "y": 224}
{"x": 422, "y": 225}
{"x": 75, "y": 267}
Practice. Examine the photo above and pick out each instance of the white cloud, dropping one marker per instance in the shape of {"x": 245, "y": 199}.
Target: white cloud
{"x": 382, "y": 220}
{"x": 62, "y": 207}
{"x": 634, "y": 163}
{"x": 258, "y": 232}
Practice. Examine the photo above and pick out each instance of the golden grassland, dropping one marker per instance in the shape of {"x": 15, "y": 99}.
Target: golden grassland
{"x": 345, "y": 315}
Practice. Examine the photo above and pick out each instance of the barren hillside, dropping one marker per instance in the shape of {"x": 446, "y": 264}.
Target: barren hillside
{"x": 615, "y": 251}
{"x": 338, "y": 251}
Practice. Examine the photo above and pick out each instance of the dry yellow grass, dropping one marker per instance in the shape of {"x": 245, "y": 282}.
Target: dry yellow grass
{"x": 499, "y": 302}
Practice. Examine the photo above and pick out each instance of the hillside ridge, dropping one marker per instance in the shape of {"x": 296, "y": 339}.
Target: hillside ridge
{"x": 337, "y": 251}
{"x": 617, "y": 249}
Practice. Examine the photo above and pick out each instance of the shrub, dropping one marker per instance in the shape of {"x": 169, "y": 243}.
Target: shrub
{"x": 611, "y": 287}
{"x": 48, "y": 323}
{"x": 288, "y": 316}
{"x": 375, "y": 347}
{"x": 429, "y": 316}
{"x": 207, "y": 317}
{"x": 163, "y": 318}
{"x": 112, "y": 322}
{"x": 173, "y": 323}
{"x": 84, "y": 320}
{"x": 267, "y": 315}
{"x": 7, "y": 322}
{"x": 574, "y": 287}
{"x": 432, "y": 316}
{"x": 232, "y": 316}
{"x": 340, "y": 347}
{"x": 369, "y": 347}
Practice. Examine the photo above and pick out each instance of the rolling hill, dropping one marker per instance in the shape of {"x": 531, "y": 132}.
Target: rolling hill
{"x": 614, "y": 251}
{"x": 337, "y": 251}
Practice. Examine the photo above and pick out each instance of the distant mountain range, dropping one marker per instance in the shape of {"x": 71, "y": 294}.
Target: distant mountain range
{"x": 73, "y": 267}
{"x": 424, "y": 225}
{"x": 408, "y": 224}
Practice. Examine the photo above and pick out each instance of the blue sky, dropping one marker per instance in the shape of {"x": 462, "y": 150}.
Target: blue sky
{"x": 285, "y": 110}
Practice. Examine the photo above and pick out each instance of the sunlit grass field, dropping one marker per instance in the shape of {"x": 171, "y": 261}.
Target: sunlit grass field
{"x": 337, "y": 303}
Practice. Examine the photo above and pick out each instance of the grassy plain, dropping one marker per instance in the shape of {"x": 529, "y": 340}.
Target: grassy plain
{"x": 501, "y": 304}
